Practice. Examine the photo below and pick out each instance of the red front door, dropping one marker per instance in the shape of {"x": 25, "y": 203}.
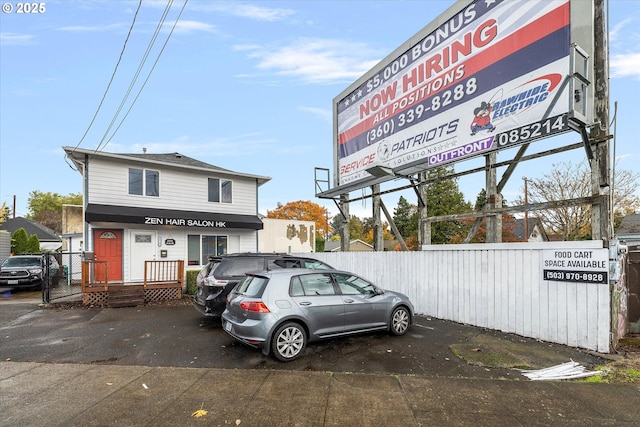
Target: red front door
{"x": 107, "y": 246}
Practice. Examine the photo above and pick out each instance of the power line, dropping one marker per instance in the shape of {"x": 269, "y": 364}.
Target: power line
{"x": 104, "y": 141}
{"x": 148, "y": 75}
{"x": 113, "y": 74}
{"x": 143, "y": 61}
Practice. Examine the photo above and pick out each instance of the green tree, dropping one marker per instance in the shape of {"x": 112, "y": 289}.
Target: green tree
{"x": 356, "y": 228}
{"x": 444, "y": 198}
{"x": 19, "y": 242}
{"x": 46, "y": 208}
{"x": 405, "y": 216}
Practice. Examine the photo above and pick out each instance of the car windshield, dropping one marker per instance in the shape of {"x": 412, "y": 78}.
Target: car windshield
{"x": 21, "y": 262}
{"x": 251, "y": 286}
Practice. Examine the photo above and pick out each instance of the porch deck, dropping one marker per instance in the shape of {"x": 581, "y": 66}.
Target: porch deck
{"x": 163, "y": 281}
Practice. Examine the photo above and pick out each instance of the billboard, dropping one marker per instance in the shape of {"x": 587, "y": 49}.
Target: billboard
{"x": 486, "y": 75}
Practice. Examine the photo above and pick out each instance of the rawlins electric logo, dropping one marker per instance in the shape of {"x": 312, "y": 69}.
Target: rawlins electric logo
{"x": 525, "y": 96}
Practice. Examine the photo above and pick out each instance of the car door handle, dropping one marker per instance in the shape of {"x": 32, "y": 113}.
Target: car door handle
{"x": 348, "y": 300}
{"x": 305, "y": 303}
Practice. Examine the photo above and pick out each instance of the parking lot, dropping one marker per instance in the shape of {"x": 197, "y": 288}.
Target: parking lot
{"x": 161, "y": 364}
{"x": 175, "y": 334}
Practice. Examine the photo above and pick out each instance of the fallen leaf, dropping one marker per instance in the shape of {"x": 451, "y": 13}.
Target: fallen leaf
{"x": 199, "y": 413}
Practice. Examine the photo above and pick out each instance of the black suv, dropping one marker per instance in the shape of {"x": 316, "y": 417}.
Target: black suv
{"x": 222, "y": 273}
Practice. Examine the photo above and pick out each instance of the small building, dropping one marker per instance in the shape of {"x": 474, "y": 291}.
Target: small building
{"x": 628, "y": 232}
{"x": 144, "y": 207}
{"x": 535, "y": 233}
{"x": 287, "y": 236}
{"x": 355, "y": 245}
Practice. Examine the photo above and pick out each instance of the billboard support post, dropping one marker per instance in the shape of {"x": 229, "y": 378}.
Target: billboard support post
{"x": 345, "y": 234}
{"x": 599, "y": 134}
{"x": 378, "y": 238}
{"x": 494, "y": 222}
{"x": 424, "y": 233}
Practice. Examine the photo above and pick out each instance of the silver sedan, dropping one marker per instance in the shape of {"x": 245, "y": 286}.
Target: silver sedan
{"x": 280, "y": 311}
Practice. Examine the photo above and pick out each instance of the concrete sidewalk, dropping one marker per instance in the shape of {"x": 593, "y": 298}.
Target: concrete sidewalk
{"x": 43, "y": 394}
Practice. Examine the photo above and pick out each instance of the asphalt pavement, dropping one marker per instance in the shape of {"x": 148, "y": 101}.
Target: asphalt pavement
{"x": 164, "y": 365}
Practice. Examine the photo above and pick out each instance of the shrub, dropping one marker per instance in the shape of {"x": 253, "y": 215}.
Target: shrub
{"x": 191, "y": 281}
{"x": 19, "y": 242}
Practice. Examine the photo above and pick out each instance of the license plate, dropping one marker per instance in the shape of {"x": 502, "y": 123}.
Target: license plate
{"x": 228, "y": 326}
{"x": 13, "y": 282}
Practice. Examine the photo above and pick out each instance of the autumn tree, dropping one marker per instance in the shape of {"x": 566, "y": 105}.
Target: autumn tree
{"x": 4, "y": 212}
{"x": 509, "y": 224}
{"x": 359, "y": 228}
{"x": 46, "y": 208}
{"x": 568, "y": 181}
{"x": 304, "y": 211}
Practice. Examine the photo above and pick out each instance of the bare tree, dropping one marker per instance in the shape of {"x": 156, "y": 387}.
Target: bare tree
{"x": 567, "y": 181}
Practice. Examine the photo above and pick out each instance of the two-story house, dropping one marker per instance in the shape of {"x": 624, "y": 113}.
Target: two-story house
{"x": 140, "y": 207}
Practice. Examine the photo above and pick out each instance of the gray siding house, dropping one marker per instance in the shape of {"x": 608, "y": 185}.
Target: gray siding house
{"x": 140, "y": 207}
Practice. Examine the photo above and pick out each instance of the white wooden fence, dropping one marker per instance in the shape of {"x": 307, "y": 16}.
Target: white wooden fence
{"x": 495, "y": 286}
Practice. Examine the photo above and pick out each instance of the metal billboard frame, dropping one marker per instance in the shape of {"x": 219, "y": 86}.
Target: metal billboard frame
{"x": 581, "y": 115}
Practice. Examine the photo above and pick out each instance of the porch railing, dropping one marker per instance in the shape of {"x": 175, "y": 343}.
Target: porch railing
{"x": 95, "y": 275}
{"x": 164, "y": 273}
{"x": 156, "y": 273}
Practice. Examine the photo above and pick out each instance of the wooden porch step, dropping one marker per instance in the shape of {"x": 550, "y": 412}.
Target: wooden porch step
{"x": 125, "y": 296}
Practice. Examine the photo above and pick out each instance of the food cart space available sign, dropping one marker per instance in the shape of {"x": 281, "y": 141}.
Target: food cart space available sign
{"x": 576, "y": 265}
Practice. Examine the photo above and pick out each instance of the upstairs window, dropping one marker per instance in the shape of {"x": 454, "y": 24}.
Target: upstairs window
{"x": 144, "y": 182}
{"x": 220, "y": 190}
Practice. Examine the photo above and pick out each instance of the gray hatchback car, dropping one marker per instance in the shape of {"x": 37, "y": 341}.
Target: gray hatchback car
{"x": 280, "y": 311}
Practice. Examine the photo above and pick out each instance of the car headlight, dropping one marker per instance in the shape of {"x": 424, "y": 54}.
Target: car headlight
{"x": 35, "y": 271}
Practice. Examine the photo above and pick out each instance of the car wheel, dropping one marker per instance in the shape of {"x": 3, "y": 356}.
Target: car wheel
{"x": 400, "y": 321}
{"x": 288, "y": 342}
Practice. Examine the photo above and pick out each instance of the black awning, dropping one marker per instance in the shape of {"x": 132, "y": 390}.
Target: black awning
{"x": 170, "y": 217}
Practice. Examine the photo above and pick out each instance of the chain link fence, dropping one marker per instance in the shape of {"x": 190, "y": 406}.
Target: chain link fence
{"x": 64, "y": 280}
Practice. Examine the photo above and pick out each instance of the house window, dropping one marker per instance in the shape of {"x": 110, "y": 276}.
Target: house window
{"x": 146, "y": 179}
{"x": 220, "y": 190}
{"x": 201, "y": 247}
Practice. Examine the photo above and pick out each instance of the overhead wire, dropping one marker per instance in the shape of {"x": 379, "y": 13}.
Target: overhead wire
{"x": 113, "y": 74}
{"x": 135, "y": 78}
{"x": 148, "y": 75}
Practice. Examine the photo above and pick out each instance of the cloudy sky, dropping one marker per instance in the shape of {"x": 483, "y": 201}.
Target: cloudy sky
{"x": 243, "y": 85}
